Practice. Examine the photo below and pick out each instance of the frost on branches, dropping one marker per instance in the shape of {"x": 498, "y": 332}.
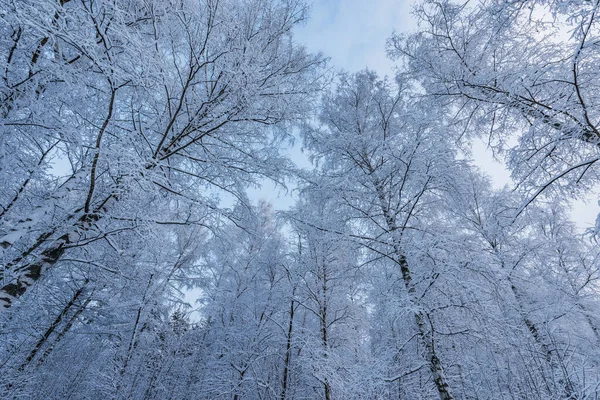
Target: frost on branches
{"x": 134, "y": 265}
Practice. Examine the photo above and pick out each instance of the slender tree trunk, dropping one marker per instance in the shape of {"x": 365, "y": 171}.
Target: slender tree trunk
{"x": 590, "y": 322}
{"x": 242, "y": 373}
{"x": 569, "y": 390}
{"x": 426, "y": 335}
{"x": 133, "y": 339}
{"x": 288, "y": 352}
{"x": 326, "y": 384}
{"x": 52, "y": 328}
{"x": 66, "y": 329}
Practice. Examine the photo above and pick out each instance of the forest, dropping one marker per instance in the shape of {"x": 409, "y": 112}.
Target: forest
{"x": 134, "y": 264}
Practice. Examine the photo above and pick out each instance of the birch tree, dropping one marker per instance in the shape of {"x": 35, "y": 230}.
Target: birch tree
{"x": 522, "y": 290}
{"x": 385, "y": 169}
{"x": 182, "y": 99}
{"x": 330, "y": 293}
{"x": 521, "y": 74}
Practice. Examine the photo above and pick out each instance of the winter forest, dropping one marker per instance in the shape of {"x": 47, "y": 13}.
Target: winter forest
{"x": 134, "y": 263}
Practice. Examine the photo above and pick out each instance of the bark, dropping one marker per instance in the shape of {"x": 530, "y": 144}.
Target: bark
{"x": 569, "y": 390}
{"x": 111, "y": 104}
{"x": 426, "y": 335}
{"x": 133, "y": 340}
{"x": 134, "y": 333}
{"x": 52, "y": 328}
{"x": 288, "y": 352}
{"x": 30, "y": 273}
{"x": 591, "y": 323}
{"x": 66, "y": 329}
{"x": 323, "y": 311}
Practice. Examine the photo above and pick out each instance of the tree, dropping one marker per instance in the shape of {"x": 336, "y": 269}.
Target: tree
{"x": 521, "y": 73}
{"x": 99, "y": 325}
{"x": 523, "y": 292}
{"x": 244, "y": 309}
{"x": 386, "y": 171}
{"x": 330, "y": 293}
{"x": 85, "y": 75}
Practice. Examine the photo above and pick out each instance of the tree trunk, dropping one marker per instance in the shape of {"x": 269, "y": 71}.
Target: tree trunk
{"x": 288, "y": 352}
{"x": 66, "y": 329}
{"x": 30, "y": 273}
{"x": 52, "y": 328}
{"x": 569, "y": 390}
{"x": 323, "y": 312}
{"x": 426, "y": 336}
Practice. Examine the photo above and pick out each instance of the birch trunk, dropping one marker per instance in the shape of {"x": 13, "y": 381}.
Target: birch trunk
{"x": 30, "y": 273}
{"x": 426, "y": 336}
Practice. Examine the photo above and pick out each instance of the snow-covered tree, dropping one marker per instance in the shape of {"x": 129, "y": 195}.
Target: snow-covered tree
{"x": 521, "y": 73}
{"x": 109, "y": 103}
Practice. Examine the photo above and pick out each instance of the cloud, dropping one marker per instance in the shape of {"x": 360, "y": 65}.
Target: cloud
{"x": 353, "y": 32}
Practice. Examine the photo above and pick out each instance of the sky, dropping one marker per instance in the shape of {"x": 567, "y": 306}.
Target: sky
{"x": 353, "y": 34}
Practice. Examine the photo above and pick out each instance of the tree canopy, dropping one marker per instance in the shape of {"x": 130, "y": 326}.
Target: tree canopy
{"x": 135, "y": 265}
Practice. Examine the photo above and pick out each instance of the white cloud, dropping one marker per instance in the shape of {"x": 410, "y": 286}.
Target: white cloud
{"x": 353, "y": 32}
